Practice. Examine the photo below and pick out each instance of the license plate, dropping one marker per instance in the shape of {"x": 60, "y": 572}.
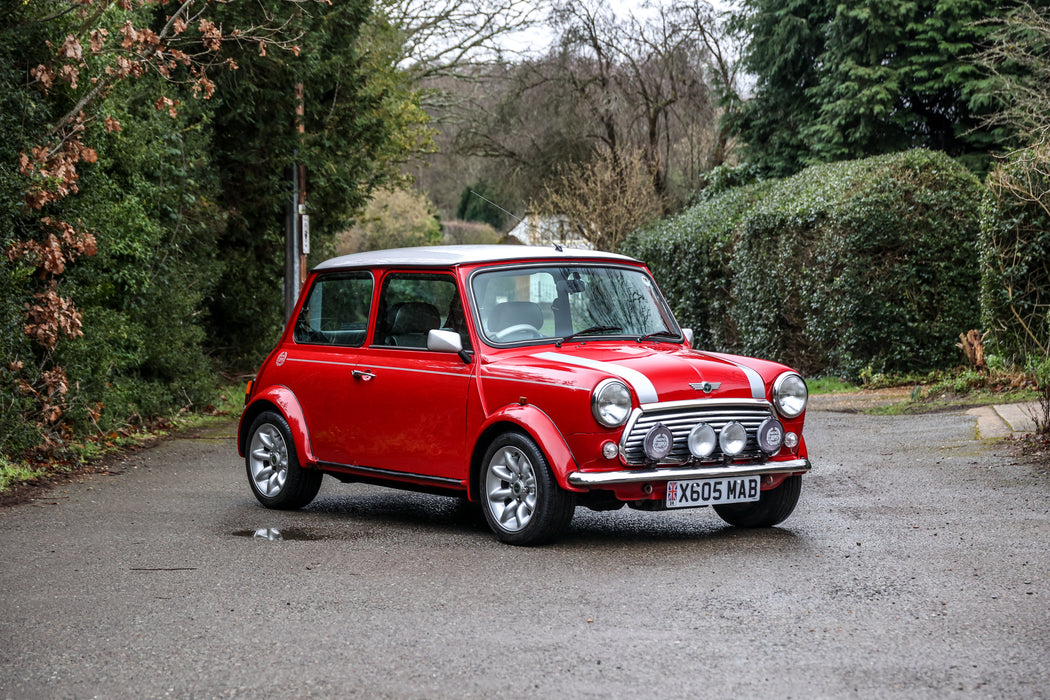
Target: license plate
{"x": 709, "y": 492}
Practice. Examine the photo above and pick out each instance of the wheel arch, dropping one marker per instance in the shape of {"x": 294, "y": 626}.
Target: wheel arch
{"x": 533, "y": 423}
{"x": 281, "y": 400}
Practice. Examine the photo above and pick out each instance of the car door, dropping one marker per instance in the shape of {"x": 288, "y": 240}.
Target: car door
{"x": 413, "y": 401}
{"x": 329, "y": 332}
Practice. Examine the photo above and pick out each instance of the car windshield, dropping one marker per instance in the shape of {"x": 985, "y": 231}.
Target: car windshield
{"x": 575, "y": 302}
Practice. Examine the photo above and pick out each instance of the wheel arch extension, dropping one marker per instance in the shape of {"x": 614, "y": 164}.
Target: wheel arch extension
{"x": 281, "y": 400}
{"x": 533, "y": 423}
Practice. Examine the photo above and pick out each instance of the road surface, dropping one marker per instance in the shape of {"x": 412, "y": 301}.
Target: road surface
{"x": 916, "y": 565}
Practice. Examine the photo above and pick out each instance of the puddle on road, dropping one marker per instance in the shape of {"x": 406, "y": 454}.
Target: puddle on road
{"x": 291, "y": 534}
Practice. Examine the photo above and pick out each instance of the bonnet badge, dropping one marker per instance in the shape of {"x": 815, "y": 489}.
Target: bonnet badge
{"x": 706, "y": 387}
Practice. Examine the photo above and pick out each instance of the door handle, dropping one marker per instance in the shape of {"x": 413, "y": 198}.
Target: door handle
{"x": 363, "y": 374}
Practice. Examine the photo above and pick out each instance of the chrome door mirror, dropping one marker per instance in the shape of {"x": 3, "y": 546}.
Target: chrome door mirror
{"x": 444, "y": 341}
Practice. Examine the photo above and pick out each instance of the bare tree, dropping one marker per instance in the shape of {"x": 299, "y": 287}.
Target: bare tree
{"x": 1018, "y": 60}
{"x": 643, "y": 83}
{"x": 605, "y": 199}
{"x": 452, "y": 38}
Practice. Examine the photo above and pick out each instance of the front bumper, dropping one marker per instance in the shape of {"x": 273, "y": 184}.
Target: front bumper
{"x": 634, "y": 476}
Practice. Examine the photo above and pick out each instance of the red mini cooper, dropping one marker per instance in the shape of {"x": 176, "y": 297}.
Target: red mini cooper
{"x": 531, "y": 380}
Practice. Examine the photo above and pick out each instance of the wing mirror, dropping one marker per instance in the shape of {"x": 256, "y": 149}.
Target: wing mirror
{"x": 440, "y": 340}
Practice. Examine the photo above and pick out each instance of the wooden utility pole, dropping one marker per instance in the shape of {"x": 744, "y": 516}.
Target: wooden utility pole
{"x": 297, "y": 236}
{"x": 304, "y": 220}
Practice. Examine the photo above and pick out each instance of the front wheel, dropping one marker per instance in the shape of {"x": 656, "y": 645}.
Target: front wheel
{"x": 273, "y": 468}
{"x": 522, "y": 502}
{"x": 773, "y": 508}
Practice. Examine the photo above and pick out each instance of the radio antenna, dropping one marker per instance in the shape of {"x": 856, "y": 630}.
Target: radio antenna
{"x": 484, "y": 199}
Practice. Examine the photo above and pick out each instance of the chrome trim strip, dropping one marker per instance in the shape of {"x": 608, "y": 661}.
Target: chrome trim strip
{"x": 498, "y": 378}
{"x": 319, "y": 362}
{"x": 367, "y": 365}
{"x": 639, "y": 382}
{"x": 391, "y": 474}
{"x": 599, "y": 479}
{"x": 704, "y": 403}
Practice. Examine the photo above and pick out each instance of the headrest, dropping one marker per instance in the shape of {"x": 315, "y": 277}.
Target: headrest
{"x": 415, "y": 317}
{"x": 513, "y": 313}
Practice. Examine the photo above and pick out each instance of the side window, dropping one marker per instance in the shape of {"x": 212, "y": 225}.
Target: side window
{"x": 336, "y": 312}
{"x": 412, "y": 305}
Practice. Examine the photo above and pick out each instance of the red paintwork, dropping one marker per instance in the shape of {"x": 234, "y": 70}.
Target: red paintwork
{"x": 539, "y": 425}
{"x": 429, "y": 414}
{"x": 285, "y": 401}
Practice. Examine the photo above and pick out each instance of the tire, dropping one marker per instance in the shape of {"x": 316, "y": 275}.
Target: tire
{"x": 522, "y": 503}
{"x": 773, "y": 508}
{"x": 273, "y": 468}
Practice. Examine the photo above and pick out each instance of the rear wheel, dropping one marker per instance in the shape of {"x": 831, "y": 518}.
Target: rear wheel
{"x": 773, "y": 508}
{"x": 273, "y": 468}
{"x": 522, "y": 502}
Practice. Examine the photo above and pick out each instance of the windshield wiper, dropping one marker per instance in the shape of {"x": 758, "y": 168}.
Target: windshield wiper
{"x": 587, "y": 331}
{"x": 664, "y": 333}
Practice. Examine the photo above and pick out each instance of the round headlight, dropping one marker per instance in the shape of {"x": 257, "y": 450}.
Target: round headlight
{"x": 770, "y": 436}
{"x": 733, "y": 438}
{"x": 702, "y": 441}
{"x": 611, "y": 403}
{"x": 790, "y": 395}
{"x": 658, "y": 442}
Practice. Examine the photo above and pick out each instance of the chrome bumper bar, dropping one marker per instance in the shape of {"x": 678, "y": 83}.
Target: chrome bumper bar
{"x": 633, "y": 476}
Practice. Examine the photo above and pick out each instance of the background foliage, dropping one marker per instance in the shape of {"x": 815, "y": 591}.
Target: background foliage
{"x": 846, "y": 80}
{"x": 362, "y": 119}
{"x": 865, "y": 265}
{"x": 1015, "y": 256}
{"x": 146, "y": 148}
{"x": 145, "y": 154}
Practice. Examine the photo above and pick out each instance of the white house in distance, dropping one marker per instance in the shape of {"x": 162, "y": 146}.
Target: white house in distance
{"x": 535, "y": 229}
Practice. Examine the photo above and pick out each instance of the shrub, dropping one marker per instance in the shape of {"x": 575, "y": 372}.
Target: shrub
{"x": 851, "y": 266}
{"x": 690, "y": 256}
{"x": 149, "y": 200}
{"x": 1015, "y": 256}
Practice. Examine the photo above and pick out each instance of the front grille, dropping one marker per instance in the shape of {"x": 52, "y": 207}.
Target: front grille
{"x": 680, "y": 419}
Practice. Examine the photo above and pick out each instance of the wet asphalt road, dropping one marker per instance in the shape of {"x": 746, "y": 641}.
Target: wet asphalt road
{"x": 916, "y": 565}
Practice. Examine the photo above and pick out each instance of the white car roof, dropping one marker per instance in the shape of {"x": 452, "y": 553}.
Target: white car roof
{"x": 451, "y": 255}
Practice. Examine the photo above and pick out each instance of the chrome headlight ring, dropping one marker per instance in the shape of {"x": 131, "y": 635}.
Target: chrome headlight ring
{"x": 790, "y": 395}
{"x": 611, "y": 403}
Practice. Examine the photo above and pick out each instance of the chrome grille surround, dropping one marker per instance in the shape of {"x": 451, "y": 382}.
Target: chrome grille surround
{"x": 681, "y": 416}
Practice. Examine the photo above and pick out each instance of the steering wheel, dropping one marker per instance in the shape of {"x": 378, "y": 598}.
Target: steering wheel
{"x": 531, "y": 330}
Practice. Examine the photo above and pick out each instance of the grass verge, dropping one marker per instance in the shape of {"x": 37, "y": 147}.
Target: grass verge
{"x": 944, "y": 391}
{"x": 20, "y": 478}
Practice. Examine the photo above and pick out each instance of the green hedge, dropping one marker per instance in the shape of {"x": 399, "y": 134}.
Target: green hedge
{"x": 848, "y": 267}
{"x": 150, "y": 202}
{"x": 1015, "y": 257}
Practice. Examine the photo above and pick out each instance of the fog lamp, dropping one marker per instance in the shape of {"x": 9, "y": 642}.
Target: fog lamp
{"x": 733, "y": 438}
{"x": 702, "y": 441}
{"x": 770, "y": 436}
{"x": 658, "y": 442}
